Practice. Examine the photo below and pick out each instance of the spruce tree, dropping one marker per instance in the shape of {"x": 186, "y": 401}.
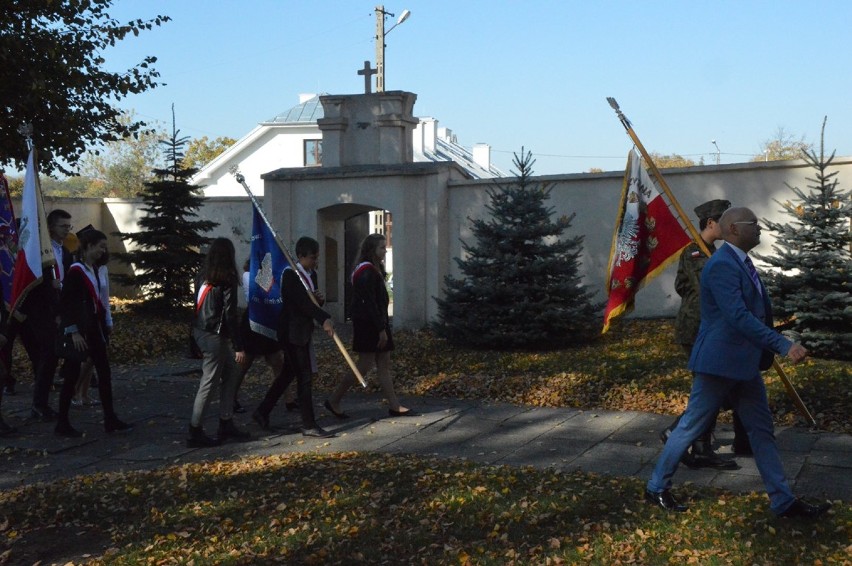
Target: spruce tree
{"x": 811, "y": 285}
{"x": 521, "y": 287}
{"x": 166, "y": 253}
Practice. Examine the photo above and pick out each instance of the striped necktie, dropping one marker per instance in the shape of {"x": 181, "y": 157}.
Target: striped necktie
{"x": 752, "y": 272}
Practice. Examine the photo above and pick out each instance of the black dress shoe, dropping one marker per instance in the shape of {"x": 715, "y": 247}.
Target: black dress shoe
{"x": 117, "y": 425}
{"x": 712, "y": 460}
{"x": 261, "y": 419}
{"x": 340, "y": 415}
{"x": 239, "y": 409}
{"x": 804, "y": 510}
{"x": 197, "y": 438}
{"x": 227, "y": 429}
{"x": 408, "y": 413}
{"x": 742, "y": 448}
{"x": 5, "y": 428}
{"x": 67, "y": 431}
{"x": 291, "y": 406}
{"x": 316, "y": 432}
{"x": 664, "y": 500}
{"x": 43, "y": 414}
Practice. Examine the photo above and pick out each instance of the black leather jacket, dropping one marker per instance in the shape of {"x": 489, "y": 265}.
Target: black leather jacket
{"x": 218, "y": 314}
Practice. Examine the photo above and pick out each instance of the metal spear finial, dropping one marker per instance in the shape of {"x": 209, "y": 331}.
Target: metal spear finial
{"x": 26, "y": 130}
{"x": 618, "y": 112}
{"x": 235, "y": 171}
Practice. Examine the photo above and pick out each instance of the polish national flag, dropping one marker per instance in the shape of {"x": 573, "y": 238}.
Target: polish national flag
{"x": 648, "y": 237}
{"x": 35, "y": 254}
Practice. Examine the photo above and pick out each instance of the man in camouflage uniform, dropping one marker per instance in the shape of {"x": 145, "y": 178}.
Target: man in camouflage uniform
{"x": 687, "y": 285}
{"x": 688, "y": 280}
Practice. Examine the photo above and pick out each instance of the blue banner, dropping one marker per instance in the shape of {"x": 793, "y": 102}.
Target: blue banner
{"x": 264, "y": 292}
{"x": 8, "y": 241}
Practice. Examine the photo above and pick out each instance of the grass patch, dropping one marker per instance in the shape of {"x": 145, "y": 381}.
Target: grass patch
{"x": 374, "y": 508}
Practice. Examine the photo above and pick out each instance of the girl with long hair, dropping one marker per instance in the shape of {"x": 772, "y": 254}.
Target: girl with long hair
{"x": 216, "y": 330}
{"x": 371, "y": 329}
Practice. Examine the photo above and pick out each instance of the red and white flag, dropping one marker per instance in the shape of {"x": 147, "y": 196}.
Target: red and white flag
{"x": 35, "y": 253}
{"x": 648, "y": 237}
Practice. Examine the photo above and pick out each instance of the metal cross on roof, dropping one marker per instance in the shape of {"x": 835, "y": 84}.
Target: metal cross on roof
{"x": 368, "y": 74}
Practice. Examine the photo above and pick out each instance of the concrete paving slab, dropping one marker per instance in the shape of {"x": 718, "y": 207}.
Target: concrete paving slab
{"x": 835, "y": 443}
{"x": 613, "y": 458}
{"x": 840, "y": 461}
{"x": 643, "y": 429}
{"x": 824, "y": 482}
{"x": 792, "y": 439}
{"x": 545, "y": 453}
{"x": 592, "y": 425}
{"x": 493, "y": 412}
{"x": 157, "y": 398}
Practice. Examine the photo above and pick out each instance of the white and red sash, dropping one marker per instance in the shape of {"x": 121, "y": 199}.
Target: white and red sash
{"x": 361, "y": 268}
{"x": 306, "y": 277}
{"x": 92, "y": 284}
{"x": 202, "y": 294}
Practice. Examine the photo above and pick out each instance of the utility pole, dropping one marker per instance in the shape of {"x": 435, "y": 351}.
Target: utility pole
{"x": 380, "y": 42}
{"x": 380, "y": 48}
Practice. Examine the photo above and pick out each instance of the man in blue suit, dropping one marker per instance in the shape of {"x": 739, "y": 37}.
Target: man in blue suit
{"x": 735, "y": 342}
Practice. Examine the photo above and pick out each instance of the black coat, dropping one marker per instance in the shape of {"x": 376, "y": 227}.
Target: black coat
{"x": 41, "y": 305}
{"x": 77, "y": 306}
{"x": 370, "y": 298}
{"x": 299, "y": 312}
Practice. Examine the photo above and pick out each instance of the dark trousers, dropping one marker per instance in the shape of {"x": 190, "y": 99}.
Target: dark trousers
{"x": 39, "y": 339}
{"x": 70, "y": 372}
{"x": 8, "y": 379}
{"x": 297, "y": 363}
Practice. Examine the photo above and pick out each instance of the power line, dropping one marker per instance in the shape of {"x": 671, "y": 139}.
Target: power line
{"x": 706, "y": 154}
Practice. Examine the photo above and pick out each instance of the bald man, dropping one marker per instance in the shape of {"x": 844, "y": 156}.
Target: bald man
{"x": 735, "y": 342}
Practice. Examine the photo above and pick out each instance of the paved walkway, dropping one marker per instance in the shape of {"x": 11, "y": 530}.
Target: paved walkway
{"x": 158, "y": 400}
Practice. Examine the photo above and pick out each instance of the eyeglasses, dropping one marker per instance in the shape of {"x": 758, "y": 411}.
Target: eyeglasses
{"x": 749, "y": 222}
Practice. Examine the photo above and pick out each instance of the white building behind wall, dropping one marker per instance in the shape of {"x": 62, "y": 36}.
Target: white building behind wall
{"x": 293, "y": 139}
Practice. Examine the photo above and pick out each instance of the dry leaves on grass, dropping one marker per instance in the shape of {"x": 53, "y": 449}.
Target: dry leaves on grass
{"x": 375, "y": 508}
{"x": 635, "y": 367}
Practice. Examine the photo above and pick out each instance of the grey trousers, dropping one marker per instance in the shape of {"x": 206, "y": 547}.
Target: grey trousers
{"x": 218, "y": 369}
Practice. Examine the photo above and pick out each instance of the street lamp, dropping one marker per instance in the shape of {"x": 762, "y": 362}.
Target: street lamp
{"x": 380, "y": 42}
{"x": 718, "y": 152}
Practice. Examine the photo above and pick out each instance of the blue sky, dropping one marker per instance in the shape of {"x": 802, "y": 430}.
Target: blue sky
{"x": 509, "y": 73}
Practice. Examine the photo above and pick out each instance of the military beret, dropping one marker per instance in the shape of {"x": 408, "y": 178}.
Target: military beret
{"x": 712, "y": 209}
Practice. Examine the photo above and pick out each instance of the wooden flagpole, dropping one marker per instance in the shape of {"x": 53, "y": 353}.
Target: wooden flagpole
{"x": 788, "y": 385}
{"x": 242, "y": 180}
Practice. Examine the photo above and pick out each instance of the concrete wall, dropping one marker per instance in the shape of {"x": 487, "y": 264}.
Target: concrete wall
{"x": 595, "y": 197}
{"x": 430, "y": 225}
